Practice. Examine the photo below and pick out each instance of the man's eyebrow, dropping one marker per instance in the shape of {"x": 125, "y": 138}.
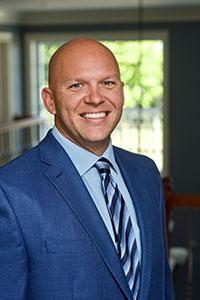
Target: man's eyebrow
{"x": 73, "y": 80}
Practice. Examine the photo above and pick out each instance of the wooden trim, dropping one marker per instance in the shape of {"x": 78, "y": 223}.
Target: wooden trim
{"x": 191, "y": 201}
{"x": 173, "y": 199}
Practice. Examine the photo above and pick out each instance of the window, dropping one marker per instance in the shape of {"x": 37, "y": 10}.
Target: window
{"x": 142, "y": 66}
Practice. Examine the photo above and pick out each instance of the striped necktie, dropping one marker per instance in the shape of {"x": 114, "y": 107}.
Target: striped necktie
{"x": 122, "y": 226}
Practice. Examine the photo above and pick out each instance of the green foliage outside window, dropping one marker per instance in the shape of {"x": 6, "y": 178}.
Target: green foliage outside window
{"x": 141, "y": 67}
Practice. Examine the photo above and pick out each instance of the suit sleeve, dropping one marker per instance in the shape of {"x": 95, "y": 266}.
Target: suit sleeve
{"x": 13, "y": 256}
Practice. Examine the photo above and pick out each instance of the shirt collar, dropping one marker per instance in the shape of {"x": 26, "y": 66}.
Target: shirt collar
{"x": 82, "y": 158}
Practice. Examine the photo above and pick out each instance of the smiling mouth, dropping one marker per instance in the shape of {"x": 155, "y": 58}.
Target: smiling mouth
{"x": 98, "y": 115}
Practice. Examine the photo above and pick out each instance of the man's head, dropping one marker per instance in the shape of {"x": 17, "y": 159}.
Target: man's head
{"x": 85, "y": 93}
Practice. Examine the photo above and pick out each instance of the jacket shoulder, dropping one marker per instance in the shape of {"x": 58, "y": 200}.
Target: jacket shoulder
{"x": 20, "y": 165}
{"x": 29, "y": 160}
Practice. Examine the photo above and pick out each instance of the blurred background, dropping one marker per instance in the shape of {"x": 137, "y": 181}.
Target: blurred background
{"x": 157, "y": 45}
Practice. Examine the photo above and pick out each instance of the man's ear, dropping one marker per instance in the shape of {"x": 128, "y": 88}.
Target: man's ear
{"x": 48, "y": 100}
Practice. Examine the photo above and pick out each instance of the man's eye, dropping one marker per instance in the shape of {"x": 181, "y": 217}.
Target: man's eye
{"x": 108, "y": 83}
{"x": 75, "y": 86}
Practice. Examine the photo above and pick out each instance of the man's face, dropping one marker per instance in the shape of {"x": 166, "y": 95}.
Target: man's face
{"x": 87, "y": 97}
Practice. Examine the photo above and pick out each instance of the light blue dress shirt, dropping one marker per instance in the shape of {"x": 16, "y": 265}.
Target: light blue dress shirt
{"x": 84, "y": 161}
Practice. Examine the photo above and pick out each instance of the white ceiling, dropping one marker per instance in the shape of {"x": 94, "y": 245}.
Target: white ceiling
{"x": 41, "y": 12}
{"x": 52, "y": 5}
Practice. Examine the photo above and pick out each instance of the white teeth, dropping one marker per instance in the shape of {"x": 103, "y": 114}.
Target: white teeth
{"x": 94, "y": 115}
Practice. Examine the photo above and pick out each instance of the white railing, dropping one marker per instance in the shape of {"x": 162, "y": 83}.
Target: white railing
{"x": 18, "y": 136}
{"x": 141, "y": 130}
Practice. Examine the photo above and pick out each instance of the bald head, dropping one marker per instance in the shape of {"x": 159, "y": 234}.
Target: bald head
{"x": 77, "y": 49}
{"x": 85, "y": 93}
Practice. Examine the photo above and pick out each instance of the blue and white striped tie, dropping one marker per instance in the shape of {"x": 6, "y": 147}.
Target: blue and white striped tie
{"x": 122, "y": 226}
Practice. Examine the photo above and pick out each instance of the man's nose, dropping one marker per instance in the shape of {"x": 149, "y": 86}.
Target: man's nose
{"x": 94, "y": 95}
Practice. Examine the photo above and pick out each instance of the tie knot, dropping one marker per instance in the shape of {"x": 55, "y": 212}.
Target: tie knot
{"x": 103, "y": 166}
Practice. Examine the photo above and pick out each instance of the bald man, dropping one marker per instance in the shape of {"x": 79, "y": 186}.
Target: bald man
{"x": 79, "y": 218}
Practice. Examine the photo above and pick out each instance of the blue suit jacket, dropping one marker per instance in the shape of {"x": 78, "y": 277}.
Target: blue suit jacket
{"x": 53, "y": 242}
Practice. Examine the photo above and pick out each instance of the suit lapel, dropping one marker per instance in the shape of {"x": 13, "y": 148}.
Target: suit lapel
{"x": 63, "y": 175}
{"x": 141, "y": 201}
